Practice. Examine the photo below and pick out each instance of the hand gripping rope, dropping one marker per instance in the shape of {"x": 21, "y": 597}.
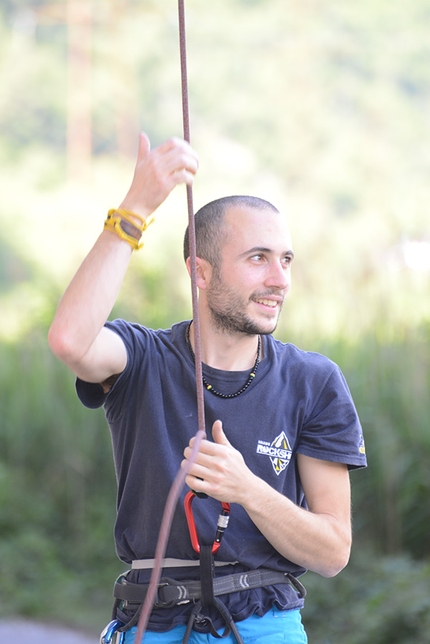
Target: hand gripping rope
{"x": 179, "y": 481}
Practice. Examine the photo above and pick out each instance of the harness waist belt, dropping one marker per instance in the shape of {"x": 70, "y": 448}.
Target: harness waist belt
{"x": 142, "y": 564}
{"x": 171, "y": 592}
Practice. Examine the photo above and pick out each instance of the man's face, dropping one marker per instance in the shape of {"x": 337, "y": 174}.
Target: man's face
{"x": 247, "y": 293}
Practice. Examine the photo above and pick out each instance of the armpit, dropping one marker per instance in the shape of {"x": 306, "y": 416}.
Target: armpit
{"x": 109, "y": 382}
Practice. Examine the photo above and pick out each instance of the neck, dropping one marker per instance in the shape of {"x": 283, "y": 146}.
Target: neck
{"x": 225, "y": 351}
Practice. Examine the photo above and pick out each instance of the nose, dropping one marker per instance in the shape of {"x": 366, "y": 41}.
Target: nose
{"x": 278, "y": 275}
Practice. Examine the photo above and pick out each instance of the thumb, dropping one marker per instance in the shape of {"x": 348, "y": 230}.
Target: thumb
{"x": 144, "y": 146}
{"x": 218, "y": 433}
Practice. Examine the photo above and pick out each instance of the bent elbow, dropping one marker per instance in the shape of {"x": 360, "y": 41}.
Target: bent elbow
{"x": 60, "y": 344}
{"x": 55, "y": 340}
{"x": 335, "y": 568}
{"x": 337, "y": 562}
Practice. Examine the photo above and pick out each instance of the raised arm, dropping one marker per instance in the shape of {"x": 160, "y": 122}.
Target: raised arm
{"x": 77, "y": 335}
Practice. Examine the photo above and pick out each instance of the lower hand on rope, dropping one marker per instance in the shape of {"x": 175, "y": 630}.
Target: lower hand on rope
{"x": 219, "y": 470}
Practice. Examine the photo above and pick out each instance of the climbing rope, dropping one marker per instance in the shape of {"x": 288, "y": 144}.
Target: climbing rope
{"x": 191, "y": 223}
{"x": 179, "y": 481}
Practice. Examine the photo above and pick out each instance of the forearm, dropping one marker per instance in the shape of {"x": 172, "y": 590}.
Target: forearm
{"x": 316, "y": 541}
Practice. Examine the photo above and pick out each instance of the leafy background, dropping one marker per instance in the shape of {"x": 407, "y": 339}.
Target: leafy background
{"x": 320, "y": 106}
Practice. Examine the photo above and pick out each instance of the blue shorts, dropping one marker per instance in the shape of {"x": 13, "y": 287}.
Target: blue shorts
{"x": 276, "y": 627}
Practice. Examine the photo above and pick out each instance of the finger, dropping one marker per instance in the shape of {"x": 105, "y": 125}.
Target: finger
{"x": 218, "y": 433}
{"x": 176, "y": 154}
{"x": 199, "y": 472}
{"x": 207, "y": 449}
{"x": 175, "y": 143}
{"x": 176, "y": 161}
{"x": 183, "y": 176}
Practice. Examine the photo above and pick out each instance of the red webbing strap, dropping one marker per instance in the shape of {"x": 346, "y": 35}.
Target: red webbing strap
{"x": 179, "y": 481}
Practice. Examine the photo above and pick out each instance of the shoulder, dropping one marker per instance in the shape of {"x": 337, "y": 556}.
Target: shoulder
{"x": 136, "y": 335}
{"x": 307, "y": 373}
{"x": 288, "y": 354}
{"x": 129, "y": 329}
{"x": 151, "y": 348}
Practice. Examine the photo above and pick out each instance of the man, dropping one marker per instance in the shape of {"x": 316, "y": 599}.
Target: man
{"x": 282, "y": 428}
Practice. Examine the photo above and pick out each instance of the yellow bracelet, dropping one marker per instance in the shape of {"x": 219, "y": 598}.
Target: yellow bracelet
{"x": 122, "y": 222}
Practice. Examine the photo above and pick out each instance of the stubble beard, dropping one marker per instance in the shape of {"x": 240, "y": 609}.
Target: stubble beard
{"x": 228, "y": 312}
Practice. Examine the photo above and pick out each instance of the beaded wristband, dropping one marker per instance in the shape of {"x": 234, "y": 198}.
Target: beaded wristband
{"x": 122, "y": 223}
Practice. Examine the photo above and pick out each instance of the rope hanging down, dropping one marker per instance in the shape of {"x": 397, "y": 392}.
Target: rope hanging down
{"x": 179, "y": 481}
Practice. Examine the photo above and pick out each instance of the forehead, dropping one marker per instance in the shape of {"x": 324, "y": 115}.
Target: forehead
{"x": 247, "y": 228}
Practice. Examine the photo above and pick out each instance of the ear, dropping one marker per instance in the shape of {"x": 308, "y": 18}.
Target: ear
{"x": 203, "y": 271}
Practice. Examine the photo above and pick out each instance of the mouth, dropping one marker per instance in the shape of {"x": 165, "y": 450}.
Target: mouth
{"x": 272, "y": 303}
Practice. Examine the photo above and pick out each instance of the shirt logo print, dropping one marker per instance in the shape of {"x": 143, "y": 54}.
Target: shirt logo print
{"x": 279, "y": 452}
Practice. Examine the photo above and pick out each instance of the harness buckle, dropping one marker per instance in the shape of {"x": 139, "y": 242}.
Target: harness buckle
{"x": 222, "y": 523}
{"x": 160, "y": 602}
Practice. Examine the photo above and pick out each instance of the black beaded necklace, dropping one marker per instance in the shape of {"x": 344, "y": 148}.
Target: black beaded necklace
{"x": 251, "y": 376}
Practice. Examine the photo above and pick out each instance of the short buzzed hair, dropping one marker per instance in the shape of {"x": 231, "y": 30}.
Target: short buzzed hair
{"x": 208, "y": 223}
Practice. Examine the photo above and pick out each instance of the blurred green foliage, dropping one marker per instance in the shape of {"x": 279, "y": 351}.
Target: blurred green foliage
{"x": 383, "y": 600}
{"x": 319, "y": 106}
{"x": 57, "y": 492}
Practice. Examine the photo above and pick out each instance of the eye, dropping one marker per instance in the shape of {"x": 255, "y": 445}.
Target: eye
{"x": 288, "y": 259}
{"x": 257, "y": 257}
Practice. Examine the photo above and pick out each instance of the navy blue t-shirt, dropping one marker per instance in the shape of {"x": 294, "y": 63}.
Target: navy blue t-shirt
{"x": 299, "y": 402}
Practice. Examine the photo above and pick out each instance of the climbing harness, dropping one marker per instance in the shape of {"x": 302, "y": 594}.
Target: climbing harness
{"x": 203, "y": 593}
{"x": 130, "y": 596}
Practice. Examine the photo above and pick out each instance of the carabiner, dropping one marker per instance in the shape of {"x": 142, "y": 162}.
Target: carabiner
{"x": 222, "y": 523}
{"x": 110, "y": 634}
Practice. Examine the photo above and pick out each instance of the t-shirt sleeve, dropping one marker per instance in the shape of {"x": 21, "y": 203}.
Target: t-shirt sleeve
{"x": 92, "y": 394}
{"x": 332, "y": 430}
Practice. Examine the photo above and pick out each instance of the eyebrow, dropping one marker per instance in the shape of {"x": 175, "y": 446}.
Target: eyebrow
{"x": 263, "y": 249}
